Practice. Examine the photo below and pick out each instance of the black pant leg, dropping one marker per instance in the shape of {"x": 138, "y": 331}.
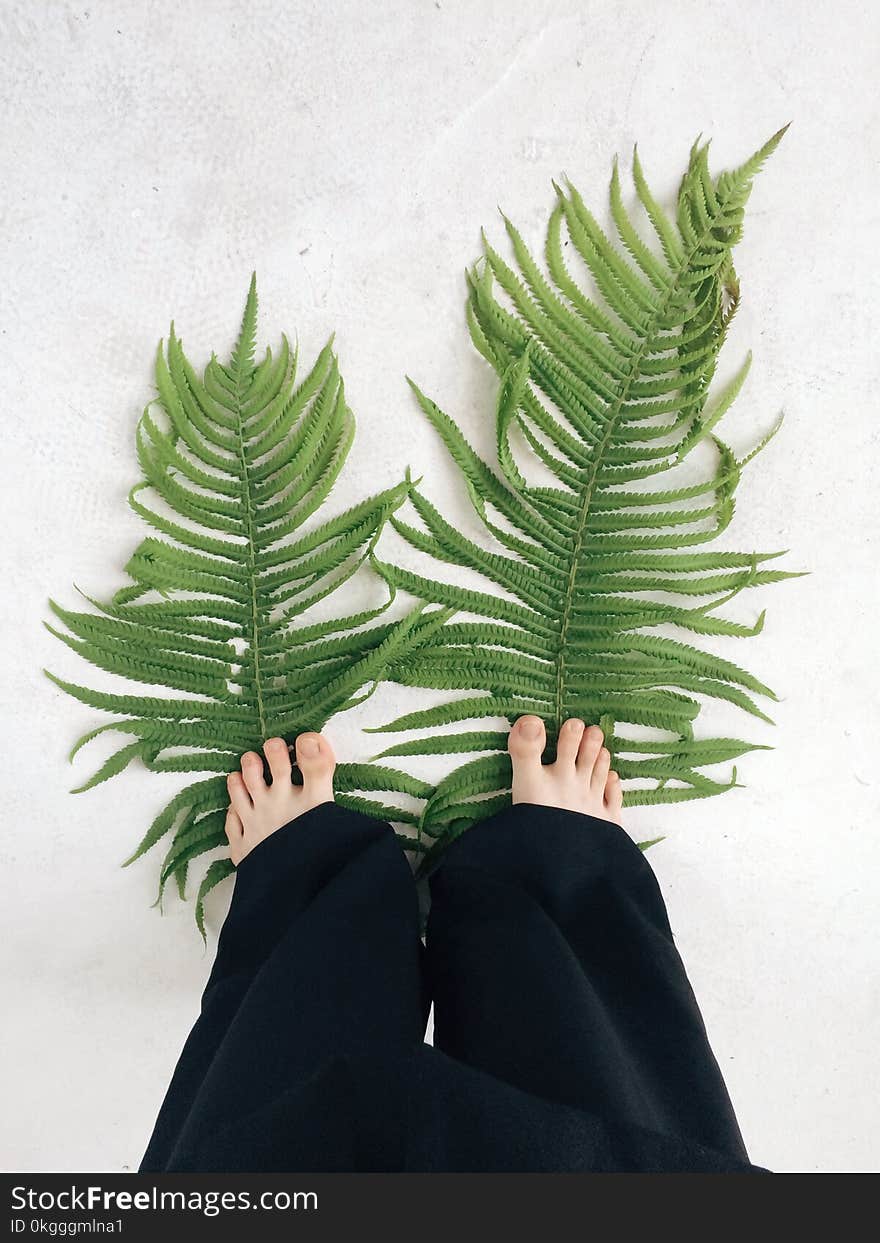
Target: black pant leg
{"x": 317, "y": 968}
{"x": 554, "y": 969}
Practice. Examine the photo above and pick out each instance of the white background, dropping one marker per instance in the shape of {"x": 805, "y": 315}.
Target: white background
{"x": 153, "y": 154}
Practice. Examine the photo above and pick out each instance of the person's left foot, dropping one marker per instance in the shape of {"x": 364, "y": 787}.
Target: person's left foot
{"x": 258, "y": 809}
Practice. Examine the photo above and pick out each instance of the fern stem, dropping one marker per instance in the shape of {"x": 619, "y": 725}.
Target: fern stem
{"x": 620, "y": 401}
{"x": 257, "y": 617}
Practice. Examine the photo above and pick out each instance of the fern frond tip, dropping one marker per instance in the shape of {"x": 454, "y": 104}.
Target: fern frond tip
{"x": 755, "y": 163}
{"x": 420, "y": 396}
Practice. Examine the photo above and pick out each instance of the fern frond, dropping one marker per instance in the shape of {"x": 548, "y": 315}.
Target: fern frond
{"x": 235, "y": 464}
{"x": 600, "y": 389}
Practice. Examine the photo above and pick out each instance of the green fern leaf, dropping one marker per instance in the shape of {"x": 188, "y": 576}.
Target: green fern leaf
{"x": 217, "y": 610}
{"x": 599, "y": 390}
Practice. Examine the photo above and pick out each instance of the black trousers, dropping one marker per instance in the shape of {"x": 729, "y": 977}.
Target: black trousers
{"x": 567, "y": 1036}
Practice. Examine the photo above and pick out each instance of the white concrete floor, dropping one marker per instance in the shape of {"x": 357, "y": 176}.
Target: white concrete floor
{"x": 153, "y": 155}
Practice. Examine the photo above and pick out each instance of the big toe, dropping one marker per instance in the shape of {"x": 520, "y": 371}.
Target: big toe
{"x": 526, "y": 743}
{"x": 316, "y": 761}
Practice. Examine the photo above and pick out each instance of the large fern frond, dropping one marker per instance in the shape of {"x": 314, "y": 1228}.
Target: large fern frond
{"x": 235, "y": 464}
{"x": 604, "y": 389}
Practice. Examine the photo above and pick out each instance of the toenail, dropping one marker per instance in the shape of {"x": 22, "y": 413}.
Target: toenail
{"x": 309, "y": 746}
{"x": 529, "y": 728}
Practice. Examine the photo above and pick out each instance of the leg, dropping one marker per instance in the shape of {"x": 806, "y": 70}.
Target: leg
{"x": 552, "y": 961}
{"x": 267, "y": 1078}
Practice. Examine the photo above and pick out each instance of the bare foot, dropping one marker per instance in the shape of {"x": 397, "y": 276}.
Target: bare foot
{"x": 580, "y": 780}
{"x": 257, "y": 809}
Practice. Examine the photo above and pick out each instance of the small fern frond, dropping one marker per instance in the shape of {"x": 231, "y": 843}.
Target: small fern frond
{"x": 235, "y": 463}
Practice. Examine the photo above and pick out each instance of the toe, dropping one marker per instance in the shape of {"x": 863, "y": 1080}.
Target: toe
{"x": 316, "y": 761}
{"x": 568, "y": 742}
{"x": 238, "y": 795}
{"x": 234, "y": 827}
{"x": 600, "y": 771}
{"x": 234, "y": 835}
{"x": 252, "y": 774}
{"x": 613, "y": 795}
{"x": 591, "y": 742}
{"x": 526, "y": 743}
{"x": 278, "y": 755}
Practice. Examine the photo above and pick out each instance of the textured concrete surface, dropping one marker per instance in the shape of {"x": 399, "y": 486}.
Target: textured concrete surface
{"x": 154, "y": 153}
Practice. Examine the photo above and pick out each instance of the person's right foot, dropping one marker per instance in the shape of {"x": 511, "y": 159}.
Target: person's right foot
{"x": 580, "y": 779}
